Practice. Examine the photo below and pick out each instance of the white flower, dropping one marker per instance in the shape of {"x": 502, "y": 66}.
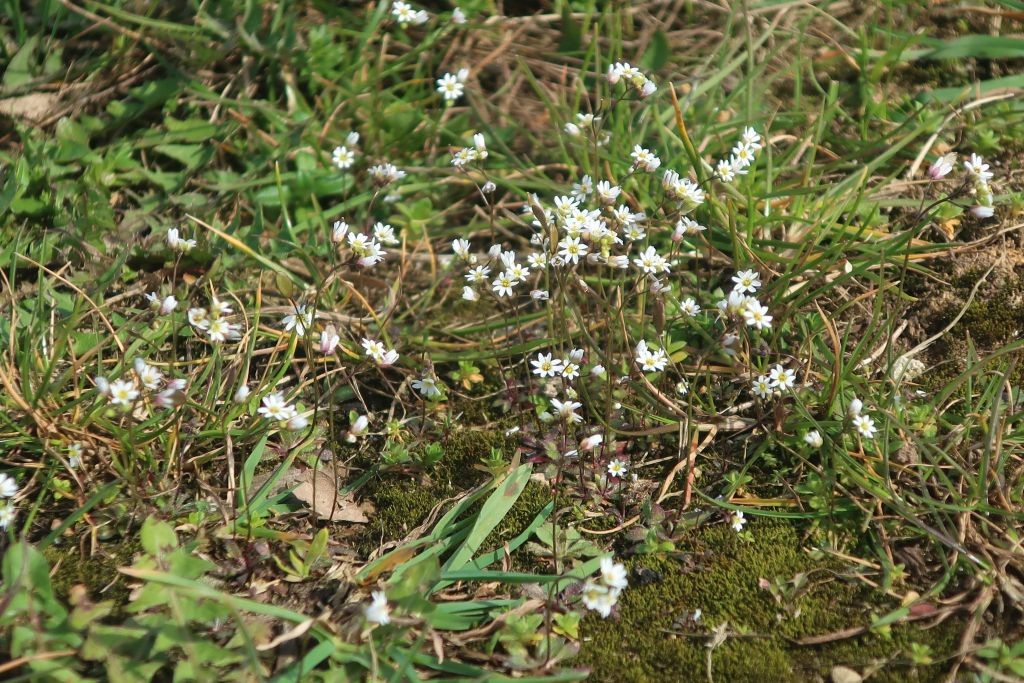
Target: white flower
{"x": 123, "y": 392}
{"x": 855, "y": 407}
{"x": 300, "y": 319}
{"x": 689, "y": 307}
{"x": 570, "y": 370}
{"x": 644, "y": 159}
{"x": 276, "y": 408}
{"x": 450, "y": 87}
{"x": 598, "y": 371}
{"x": 865, "y": 426}
{"x": 358, "y": 428}
{"x": 478, "y": 274}
{"x": 385, "y": 233}
{"x": 813, "y": 439}
{"x": 613, "y": 574}
{"x": 75, "y": 452}
{"x": 428, "y": 387}
{"x": 385, "y": 174}
{"x": 220, "y": 330}
{"x": 329, "y": 341}
{"x": 607, "y": 192}
{"x": 585, "y": 187}
{"x": 352, "y": 138}
{"x": 651, "y": 262}
{"x": 598, "y": 598}
{"x": 737, "y": 520}
{"x": 591, "y": 442}
{"x": 617, "y": 468}
{"x": 751, "y": 139}
{"x": 378, "y": 612}
{"x": 746, "y": 281}
{"x": 343, "y": 157}
{"x": 504, "y": 283}
{"x": 725, "y": 171}
{"x": 546, "y": 366}
{"x": 981, "y": 211}
{"x": 458, "y": 16}
{"x": 540, "y": 295}
{"x": 8, "y": 513}
{"x": 148, "y": 375}
{"x": 469, "y": 294}
{"x": 682, "y": 387}
{"x": 762, "y": 387}
{"x": 241, "y": 394}
{"x": 942, "y": 166}
{"x": 8, "y": 486}
{"x": 567, "y": 410}
{"x": 339, "y": 231}
{"x": 782, "y": 378}
{"x": 405, "y": 15}
{"x": 570, "y": 249}
{"x": 167, "y": 305}
{"x": 297, "y": 422}
{"x": 756, "y": 315}
{"x": 648, "y": 360}
{"x": 174, "y": 241}
{"x": 977, "y": 168}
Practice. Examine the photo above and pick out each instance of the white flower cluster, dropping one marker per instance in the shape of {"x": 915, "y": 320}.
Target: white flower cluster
{"x": 778, "y": 380}
{"x": 177, "y": 243}
{"x": 602, "y": 594}
{"x": 213, "y": 322}
{"x": 978, "y": 174}
{"x": 743, "y": 154}
{"x": 650, "y": 360}
{"x": 742, "y": 305}
{"x": 978, "y": 171}
{"x": 124, "y": 392}
{"x": 466, "y": 155}
{"x": 379, "y": 353}
{"x": 633, "y": 77}
{"x": 367, "y": 249}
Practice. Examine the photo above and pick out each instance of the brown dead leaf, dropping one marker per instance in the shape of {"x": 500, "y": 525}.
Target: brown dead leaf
{"x": 33, "y": 107}
{"x": 318, "y": 489}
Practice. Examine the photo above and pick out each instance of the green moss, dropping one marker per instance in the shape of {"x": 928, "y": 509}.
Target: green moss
{"x": 645, "y": 642}
{"x": 98, "y": 573}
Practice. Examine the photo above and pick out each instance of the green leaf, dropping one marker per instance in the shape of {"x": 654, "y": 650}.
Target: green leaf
{"x": 157, "y": 537}
{"x": 491, "y": 515}
{"x": 18, "y": 70}
{"x": 572, "y": 33}
{"x": 657, "y": 53}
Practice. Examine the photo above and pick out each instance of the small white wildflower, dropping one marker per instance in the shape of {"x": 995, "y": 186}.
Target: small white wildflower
{"x": 276, "y": 408}
{"x": 8, "y": 486}
{"x": 300, "y": 320}
{"x": 343, "y": 157}
{"x": 865, "y": 426}
{"x": 762, "y": 387}
{"x": 617, "y": 468}
{"x": 428, "y": 387}
{"x": 746, "y": 281}
{"x": 782, "y": 378}
{"x": 813, "y": 439}
{"x": 378, "y": 612}
{"x": 689, "y": 307}
{"x": 123, "y": 392}
{"x": 546, "y": 366}
{"x": 450, "y": 87}
{"x": 942, "y": 166}
{"x": 737, "y": 520}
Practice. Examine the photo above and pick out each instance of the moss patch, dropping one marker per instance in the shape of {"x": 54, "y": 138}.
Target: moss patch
{"x": 98, "y": 573}
{"x": 646, "y": 640}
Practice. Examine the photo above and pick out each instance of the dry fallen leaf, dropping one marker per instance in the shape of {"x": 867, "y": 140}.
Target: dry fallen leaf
{"x": 33, "y": 107}
{"x": 318, "y": 489}
{"x": 841, "y": 674}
